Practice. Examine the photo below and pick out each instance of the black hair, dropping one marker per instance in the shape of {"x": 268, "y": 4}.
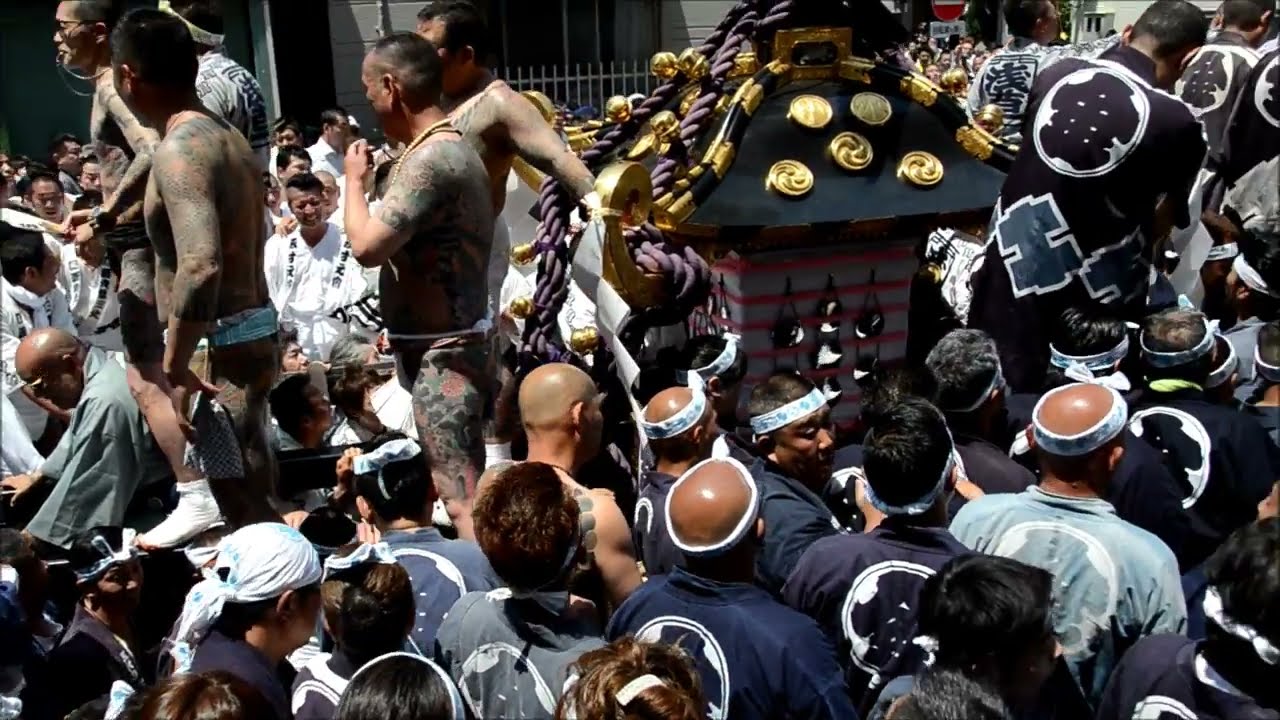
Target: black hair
{"x": 702, "y": 350}
{"x": 408, "y": 482}
{"x": 963, "y": 363}
{"x": 237, "y": 618}
{"x": 288, "y": 154}
{"x": 333, "y": 116}
{"x": 84, "y": 554}
{"x": 284, "y": 123}
{"x": 290, "y": 402}
{"x": 983, "y": 606}
{"x": 107, "y": 12}
{"x": 88, "y": 199}
{"x": 413, "y": 61}
{"x": 1269, "y": 343}
{"x": 1176, "y": 330}
{"x": 1177, "y": 26}
{"x": 40, "y": 173}
{"x": 947, "y": 694}
{"x": 375, "y": 610}
{"x": 890, "y": 388}
{"x": 19, "y": 250}
{"x": 398, "y": 688}
{"x": 1080, "y": 331}
{"x": 1021, "y": 16}
{"x": 57, "y": 142}
{"x": 204, "y": 14}
{"x": 90, "y": 158}
{"x": 464, "y": 25}
{"x": 305, "y": 182}
{"x": 1262, "y": 252}
{"x": 15, "y": 550}
{"x": 905, "y": 451}
{"x": 777, "y": 390}
{"x": 1246, "y": 14}
{"x": 1246, "y": 575}
{"x": 158, "y": 47}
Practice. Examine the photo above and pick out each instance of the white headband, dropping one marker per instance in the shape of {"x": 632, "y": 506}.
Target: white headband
{"x": 455, "y": 700}
{"x": 109, "y": 557}
{"x": 375, "y": 553}
{"x": 789, "y": 413}
{"x": 723, "y": 362}
{"x": 1214, "y": 611}
{"x": 1222, "y": 252}
{"x": 745, "y": 523}
{"x": 997, "y": 381}
{"x": 1084, "y": 442}
{"x": 1168, "y": 359}
{"x": 1223, "y": 372}
{"x": 1267, "y": 371}
{"x": 199, "y": 35}
{"x": 1249, "y": 276}
{"x": 385, "y": 454}
{"x": 632, "y": 689}
{"x": 1097, "y": 362}
{"x": 923, "y": 504}
{"x": 684, "y": 419}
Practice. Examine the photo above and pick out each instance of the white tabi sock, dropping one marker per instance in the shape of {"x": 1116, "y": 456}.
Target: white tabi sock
{"x": 197, "y": 511}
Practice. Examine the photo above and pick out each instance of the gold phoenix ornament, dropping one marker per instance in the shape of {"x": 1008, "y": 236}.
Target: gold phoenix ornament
{"x": 666, "y": 126}
{"x": 789, "y": 178}
{"x": 954, "y": 82}
{"x": 522, "y": 254}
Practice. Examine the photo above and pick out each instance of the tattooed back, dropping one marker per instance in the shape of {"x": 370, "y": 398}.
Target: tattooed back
{"x": 437, "y": 282}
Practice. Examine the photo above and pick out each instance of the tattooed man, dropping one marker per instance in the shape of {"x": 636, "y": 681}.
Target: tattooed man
{"x": 123, "y": 144}
{"x": 501, "y": 125}
{"x": 431, "y": 236}
{"x": 203, "y": 215}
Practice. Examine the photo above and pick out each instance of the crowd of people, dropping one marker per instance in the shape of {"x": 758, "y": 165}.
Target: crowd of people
{"x": 348, "y": 505}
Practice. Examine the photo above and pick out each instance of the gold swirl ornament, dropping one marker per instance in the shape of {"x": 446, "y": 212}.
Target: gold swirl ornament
{"x": 871, "y": 108}
{"x": 664, "y": 65}
{"x": 789, "y": 178}
{"x": 584, "y": 340}
{"x": 920, "y": 168}
{"x": 810, "y": 111}
{"x": 850, "y": 151}
{"x": 617, "y": 109}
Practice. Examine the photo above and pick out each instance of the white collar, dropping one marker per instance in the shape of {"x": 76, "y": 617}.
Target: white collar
{"x": 1208, "y": 676}
{"x": 330, "y": 232}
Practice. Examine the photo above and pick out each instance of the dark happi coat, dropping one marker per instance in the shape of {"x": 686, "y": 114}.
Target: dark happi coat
{"x": 1075, "y": 220}
{"x": 649, "y": 534}
{"x": 794, "y": 518}
{"x": 1212, "y": 82}
{"x": 758, "y": 659}
{"x": 864, "y": 591}
{"x": 1250, "y": 164}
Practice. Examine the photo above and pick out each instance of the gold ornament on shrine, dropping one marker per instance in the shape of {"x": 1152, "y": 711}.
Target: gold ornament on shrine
{"x": 871, "y": 108}
{"x": 810, "y": 111}
{"x": 955, "y": 82}
{"x": 584, "y": 340}
{"x": 694, "y": 64}
{"x": 850, "y": 151}
{"x": 523, "y": 254}
{"x": 790, "y": 178}
{"x": 666, "y": 126}
{"x": 920, "y": 168}
{"x": 617, "y": 109}
{"x": 664, "y": 65}
{"x": 520, "y": 308}
{"x": 990, "y": 118}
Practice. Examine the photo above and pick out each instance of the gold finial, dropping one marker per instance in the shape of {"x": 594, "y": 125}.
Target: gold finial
{"x": 918, "y": 88}
{"x": 617, "y": 109}
{"x": 666, "y": 126}
{"x": 954, "y": 82}
{"x": 850, "y": 151}
{"x": 664, "y": 65}
{"x": 584, "y": 340}
{"x": 810, "y": 111}
{"x": 920, "y": 169}
{"x": 523, "y": 254}
{"x": 990, "y": 118}
{"x": 976, "y": 142}
{"x": 520, "y": 308}
{"x": 694, "y": 64}
{"x": 790, "y": 178}
{"x": 871, "y": 108}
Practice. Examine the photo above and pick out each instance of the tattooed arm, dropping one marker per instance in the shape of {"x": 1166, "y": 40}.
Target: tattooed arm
{"x": 185, "y": 181}
{"x": 418, "y": 193}
{"x": 538, "y": 144}
{"x": 143, "y": 140}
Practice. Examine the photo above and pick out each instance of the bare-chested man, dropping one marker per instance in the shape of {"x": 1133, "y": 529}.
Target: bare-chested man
{"x": 203, "y": 215}
{"x": 502, "y": 125}
{"x": 431, "y": 236}
{"x": 123, "y": 144}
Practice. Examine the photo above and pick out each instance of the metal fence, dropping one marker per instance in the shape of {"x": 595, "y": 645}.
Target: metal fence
{"x": 583, "y": 84}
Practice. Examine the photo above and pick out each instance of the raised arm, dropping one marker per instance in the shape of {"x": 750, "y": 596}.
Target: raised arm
{"x": 142, "y": 139}
{"x": 539, "y": 145}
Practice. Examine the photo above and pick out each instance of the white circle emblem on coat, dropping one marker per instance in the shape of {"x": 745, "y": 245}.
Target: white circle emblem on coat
{"x": 1265, "y": 96}
{"x": 1090, "y": 122}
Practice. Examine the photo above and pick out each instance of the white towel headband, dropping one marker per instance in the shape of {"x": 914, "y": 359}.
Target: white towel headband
{"x": 687, "y": 417}
{"x": 1097, "y": 363}
{"x": 921, "y": 505}
{"x": 1223, "y": 372}
{"x": 1267, "y": 371}
{"x": 1251, "y": 277}
{"x": 1084, "y": 442}
{"x": 1168, "y": 359}
{"x": 779, "y": 418}
{"x": 1214, "y": 611}
{"x": 723, "y": 362}
{"x": 631, "y": 690}
{"x": 376, "y": 553}
{"x": 383, "y": 455}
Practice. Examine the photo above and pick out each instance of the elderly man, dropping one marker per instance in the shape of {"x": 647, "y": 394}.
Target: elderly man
{"x": 757, "y": 658}
{"x": 680, "y": 425}
{"x": 1116, "y": 583}
{"x": 106, "y": 457}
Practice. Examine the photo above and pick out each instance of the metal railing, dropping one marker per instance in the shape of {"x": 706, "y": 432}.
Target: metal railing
{"x": 583, "y": 84}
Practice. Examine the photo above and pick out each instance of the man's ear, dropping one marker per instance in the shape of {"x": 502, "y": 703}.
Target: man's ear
{"x": 714, "y": 386}
{"x": 575, "y": 413}
{"x": 1126, "y": 35}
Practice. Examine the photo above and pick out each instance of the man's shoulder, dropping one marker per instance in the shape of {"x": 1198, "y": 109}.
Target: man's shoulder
{"x": 994, "y": 505}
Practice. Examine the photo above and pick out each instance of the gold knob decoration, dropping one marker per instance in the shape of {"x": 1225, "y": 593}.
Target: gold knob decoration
{"x": 643, "y": 145}
{"x": 932, "y": 273}
{"x": 666, "y": 126}
{"x": 694, "y": 64}
{"x": 584, "y": 340}
{"x": 810, "y": 111}
{"x": 617, "y": 109}
{"x": 664, "y": 65}
{"x": 920, "y": 169}
{"x": 521, "y": 308}
{"x": 523, "y": 254}
{"x": 850, "y": 151}
{"x": 871, "y": 108}
{"x": 955, "y": 82}
{"x": 990, "y": 118}
{"x": 789, "y": 178}
{"x": 977, "y": 143}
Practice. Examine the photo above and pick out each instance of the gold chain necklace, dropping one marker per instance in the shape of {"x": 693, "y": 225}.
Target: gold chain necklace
{"x": 422, "y": 136}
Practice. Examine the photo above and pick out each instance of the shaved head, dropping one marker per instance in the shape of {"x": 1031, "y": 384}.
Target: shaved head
{"x": 1072, "y": 411}
{"x": 1076, "y": 409}
{"x": 694, "y": 442}
{"x": 708, "y": 504}
{"x": 412, "y": 62}
{"x": 548, "y": 394}
{"x": 41, "y": 348}
{"x": 51, "y": 362}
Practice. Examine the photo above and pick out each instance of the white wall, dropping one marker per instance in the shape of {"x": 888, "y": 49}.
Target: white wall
{"x": 1126, "y": 12}
{"x": 686, "y": 22}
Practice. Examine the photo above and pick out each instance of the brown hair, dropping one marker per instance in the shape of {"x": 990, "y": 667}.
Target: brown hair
{"x": 216, "y": 695}
{"x": 604, "y": 672}
{"x": 526, "y": 522}
{"x": 369, "y": 607}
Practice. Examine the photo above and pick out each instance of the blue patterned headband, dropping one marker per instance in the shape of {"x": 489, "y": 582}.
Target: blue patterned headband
{"x": 789, "y": 413}
{"x": 1097, "y": 363}
{"x": 385, "y": 454}
{"x": 745, "y": 523}
{"x": 109, "y": 557}
{"x": 374, "y": 553}
{"x": 1223, "y": 372}
{"x": 923, "y": 504}
{"x": 684, "y": 419}
{"x": 1267, "y": 371}
{"x": 723, "y": 362}
{"x": 1162, "y": 359}
{"x": 1085, "y": 442}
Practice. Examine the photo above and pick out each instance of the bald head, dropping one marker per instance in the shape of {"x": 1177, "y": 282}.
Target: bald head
{"x": 708, "y": 504}
{"x": 42, "y": 348}
{"x": 1075, "y": 410}
{"x": 667, "y": 403}
{"x": 549, "y": 392}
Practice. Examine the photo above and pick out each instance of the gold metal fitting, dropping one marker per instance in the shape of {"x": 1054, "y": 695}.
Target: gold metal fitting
{"x": 694, "y": 64}
{"x": 810, "y": 111}
{"x": 954, "y": 82}
{"x": 584, "y": 340}
{"x": 523, "y": 254}
{"x": 617, "y": 109}
{"x": 990, "y": 118}
{"x": 521, "y": 308}
{"x": 850, "y": 151}
{"x": 666, "y": 126}
{"x": 664, "y": 65}
{"x": 871, "y": 108}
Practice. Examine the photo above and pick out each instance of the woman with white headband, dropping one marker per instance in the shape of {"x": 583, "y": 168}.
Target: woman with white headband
{"x": 401, "y": 686}
{"x": 1253, "y": 299}
{"x": 795, "y": 441}
{"x": 632, "y": 680}
{"x": 1231, "y": 674}
{"x": 258, "y": 604}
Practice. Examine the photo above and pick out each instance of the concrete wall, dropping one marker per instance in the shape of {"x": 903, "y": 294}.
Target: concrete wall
{"x": 686, "y": 22}
{"x": 1122, "y": 12}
